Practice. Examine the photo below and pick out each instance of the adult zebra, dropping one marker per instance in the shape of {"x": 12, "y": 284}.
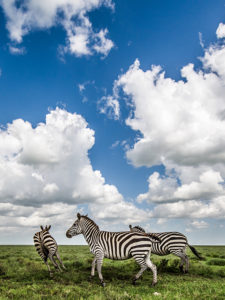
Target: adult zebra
{"x": 114, "y": 245}
{"x": 171, "y": 243}
{"x": 47, "y": 247}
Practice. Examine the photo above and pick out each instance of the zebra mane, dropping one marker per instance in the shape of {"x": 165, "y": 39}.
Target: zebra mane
{"x": 92, "y": 222}
{"x": 139, "y": 228}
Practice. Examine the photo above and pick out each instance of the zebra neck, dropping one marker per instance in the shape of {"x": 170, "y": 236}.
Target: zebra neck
{"x": 91, "y": 235}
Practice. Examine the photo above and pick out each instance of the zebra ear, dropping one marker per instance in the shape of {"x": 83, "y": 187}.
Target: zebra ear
{"x": 130, "y": 226}
{"x": 78, "y": 216}
{"x": 49, "y": 227}
{"x": 41, "y": 227}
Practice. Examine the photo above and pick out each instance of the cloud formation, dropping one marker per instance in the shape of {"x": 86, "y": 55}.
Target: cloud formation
{"x": 51, "y": 174}
{"x": 181, "y": 126}
{"x": 26, "y": 16}
{"x": 180, "y": 121}
{"x": 191, "y": 209}
{"x": 167, "y": 189}
{"x": 16, "y": 50}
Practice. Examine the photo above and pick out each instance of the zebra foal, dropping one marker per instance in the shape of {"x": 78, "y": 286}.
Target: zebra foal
{"x": 47, "y": 247}
{"x": 114, "y": 245}
{"x": 171, "y": 243}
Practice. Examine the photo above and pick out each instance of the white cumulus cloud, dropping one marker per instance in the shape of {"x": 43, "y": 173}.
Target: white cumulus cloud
{"x": 167, "y": 189}
{"x": 26, "y": 16}
{"x": 45, "y": 172}
{"x": 220, "y": 32}
{"x": 180, "y": 125}
{"x": 199, "y": 224}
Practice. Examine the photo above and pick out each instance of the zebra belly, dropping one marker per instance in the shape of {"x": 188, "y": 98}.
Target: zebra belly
{"x": 161, "y": 253}
{"x": 123, "y": 257}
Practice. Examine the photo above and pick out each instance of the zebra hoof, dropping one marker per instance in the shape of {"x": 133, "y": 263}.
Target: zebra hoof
{"x": 134, "y": 281}
{"x": 90, "y": 277}
{"x": 154, "y": 283}
{"x": 103, "y": 284}
{"x": 181, "y": 269}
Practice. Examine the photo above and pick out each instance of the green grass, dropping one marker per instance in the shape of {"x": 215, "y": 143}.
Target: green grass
{"x": 24, "y": 276}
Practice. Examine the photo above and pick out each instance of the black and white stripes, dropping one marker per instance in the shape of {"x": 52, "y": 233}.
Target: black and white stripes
{"x": 47, "y": 247}
{"x": 114, "y": 245}
{"x": 171, "y": 243}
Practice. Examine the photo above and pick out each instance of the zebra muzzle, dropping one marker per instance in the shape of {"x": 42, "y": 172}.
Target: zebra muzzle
{"x": 68, "y": 235}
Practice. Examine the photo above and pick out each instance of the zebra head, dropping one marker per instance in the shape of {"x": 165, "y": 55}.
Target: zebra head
{"x": 75, "y": 229}
{"x": 47, "y": 228}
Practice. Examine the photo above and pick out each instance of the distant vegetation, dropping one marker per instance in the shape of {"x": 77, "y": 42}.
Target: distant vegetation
{"x": 24, "y": 276}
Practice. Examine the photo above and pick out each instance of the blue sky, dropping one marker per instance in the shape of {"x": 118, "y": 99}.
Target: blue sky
{"x": 71, "y": 63}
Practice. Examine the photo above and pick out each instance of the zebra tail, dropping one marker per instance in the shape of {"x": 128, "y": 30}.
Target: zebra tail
{"x": 195, "y": 251}
{"x": 154, "y": 237}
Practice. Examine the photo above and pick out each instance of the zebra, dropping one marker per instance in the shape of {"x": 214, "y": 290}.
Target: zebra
{"x": 115, "y": 246}
{"x": 171, "y": 243}
{"x": 47, "y": 247}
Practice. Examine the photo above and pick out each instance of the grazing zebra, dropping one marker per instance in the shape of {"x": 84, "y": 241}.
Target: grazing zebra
{"x": 171, "y": 243}
{"x": 47, "y": 247}
{"x": 114, "y": 245}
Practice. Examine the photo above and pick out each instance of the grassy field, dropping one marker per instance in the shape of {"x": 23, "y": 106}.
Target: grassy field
{"x": 24, "y": 276}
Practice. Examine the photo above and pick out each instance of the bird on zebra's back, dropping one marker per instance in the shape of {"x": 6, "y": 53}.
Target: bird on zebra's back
{"x": 171, "y": 243}
{"x": 115, "y": 245}
{"x": 47, "y": 247}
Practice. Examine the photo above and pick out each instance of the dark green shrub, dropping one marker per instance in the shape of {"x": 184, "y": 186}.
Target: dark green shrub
{"x": 216, "y": 262}
{"x": 2, "y": 270}
{"x": 162, "y": 265}
{"x": 77, "y": 264}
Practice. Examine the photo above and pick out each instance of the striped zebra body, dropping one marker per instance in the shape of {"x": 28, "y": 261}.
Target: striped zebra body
{"x": 47, "y": 247}
{"x": 38, "y": 243}
{"x": 121, "y": 245}
{"x": 171, "y": 243}
{"x": 114, "y": 245}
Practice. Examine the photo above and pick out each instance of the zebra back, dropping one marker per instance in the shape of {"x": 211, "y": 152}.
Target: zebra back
{"x": 154, "y": 236}
{"x": 169, "y": 241}
{"x": 38, "y": 243}
{"x": 45, "y": 243}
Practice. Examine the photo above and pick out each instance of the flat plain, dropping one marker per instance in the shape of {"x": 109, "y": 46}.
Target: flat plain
{"x": 23, "y": 275}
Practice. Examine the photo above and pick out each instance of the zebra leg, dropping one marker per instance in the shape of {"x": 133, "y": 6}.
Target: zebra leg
{"x": 153, "y": 268}
{"x": 57, "y": 255}
{"x": 93, "y": 267}
{"x": 50, "y": 272}
{"x": 143, "y": 268}
{"x": 187, "y": 264}
{"x": 145, "y": 263}
{"x": 184, "y": 260}
{"x": 99, "y": 269}
{"x": 51, "y": 256}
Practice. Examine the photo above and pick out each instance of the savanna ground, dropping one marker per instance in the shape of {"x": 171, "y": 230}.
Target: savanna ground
{"x": 24, "y": 276}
